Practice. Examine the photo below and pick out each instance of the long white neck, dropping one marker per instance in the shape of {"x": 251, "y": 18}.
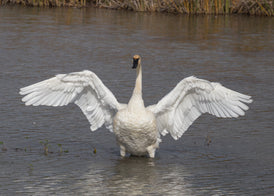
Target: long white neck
{"x": 138, "y": 83}
{"x": 136, "y": 101}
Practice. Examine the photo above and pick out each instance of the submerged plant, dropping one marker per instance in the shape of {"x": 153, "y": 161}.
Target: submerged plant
{"x": 3, "y": 146}
{"x": 45, "y": 144}
{"x": 30, "y": 167}
{"x": 27, "y": 137}
{"x": 208, "y": 140}
{"x": 60, "y": 148}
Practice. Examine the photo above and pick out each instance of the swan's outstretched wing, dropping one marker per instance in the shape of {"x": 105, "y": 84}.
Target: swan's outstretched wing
{"x": 84, "y": 89}
{"x": 193, "y": 97}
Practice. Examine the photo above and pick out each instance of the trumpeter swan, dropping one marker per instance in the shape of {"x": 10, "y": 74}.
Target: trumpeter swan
{"x": 138, "y": 128}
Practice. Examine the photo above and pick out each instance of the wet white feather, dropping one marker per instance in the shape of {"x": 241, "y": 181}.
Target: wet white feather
{"x": 82, "y": 88}
{"x": 193, "y": 97}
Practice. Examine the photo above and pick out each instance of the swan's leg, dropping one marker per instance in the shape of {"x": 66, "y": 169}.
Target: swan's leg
{"x": 151, "y": 151}
{"x": 122, "y": 151}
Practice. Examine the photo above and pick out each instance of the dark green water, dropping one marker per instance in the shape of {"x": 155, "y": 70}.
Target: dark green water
{"x": 36, "y": 44}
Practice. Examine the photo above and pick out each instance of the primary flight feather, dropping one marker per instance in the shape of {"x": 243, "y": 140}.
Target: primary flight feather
{"x": 138, "y": 128}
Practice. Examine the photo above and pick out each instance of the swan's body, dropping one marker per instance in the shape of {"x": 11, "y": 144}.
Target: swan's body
{"x": 136, "y": 132}
{"x": 137, "y": 128}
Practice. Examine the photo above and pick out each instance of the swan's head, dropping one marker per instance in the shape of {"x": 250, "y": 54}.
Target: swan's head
{"x": 136, "y": 61}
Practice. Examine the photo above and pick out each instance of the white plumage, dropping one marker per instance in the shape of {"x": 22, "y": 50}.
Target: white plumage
{"x": 137, "y": 129}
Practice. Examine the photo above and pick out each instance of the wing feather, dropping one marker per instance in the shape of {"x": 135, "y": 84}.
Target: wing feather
{"x": 84, "y": 89}
{"x": 192, "y": 97}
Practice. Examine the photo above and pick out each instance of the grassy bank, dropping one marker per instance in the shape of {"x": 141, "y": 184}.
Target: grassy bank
{"x": 250, "y": 7}
{"x": 46, "y": 3}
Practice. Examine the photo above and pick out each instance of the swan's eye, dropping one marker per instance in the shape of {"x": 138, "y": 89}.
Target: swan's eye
{"x": 135, "y": 63}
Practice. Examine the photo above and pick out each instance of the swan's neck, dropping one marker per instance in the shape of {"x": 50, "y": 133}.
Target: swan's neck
{"x": 138, "y": 83}
{"x": 136, "y": 100}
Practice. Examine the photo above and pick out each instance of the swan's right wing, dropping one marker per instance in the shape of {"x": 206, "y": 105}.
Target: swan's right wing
{"x": 84, "y": 89}
{"x": 193, "y": 97}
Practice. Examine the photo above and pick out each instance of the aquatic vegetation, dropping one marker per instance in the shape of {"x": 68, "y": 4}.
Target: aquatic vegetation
{"x": 250, "y": 7}
{"x": 45, "y": 144}
{"x": 30, "y": 167}
{"x": 47, "y": 3}
{"x": 60, "y": 148}
{"x": 3, "y": 146}
{"x": 208, "y": 140}
{"x": 25, "y": 149}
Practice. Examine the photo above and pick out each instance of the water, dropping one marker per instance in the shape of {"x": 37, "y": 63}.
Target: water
{"x": 36, "y": 44}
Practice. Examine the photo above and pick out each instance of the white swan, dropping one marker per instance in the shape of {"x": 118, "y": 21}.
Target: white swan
{"x": 137, "y": 128}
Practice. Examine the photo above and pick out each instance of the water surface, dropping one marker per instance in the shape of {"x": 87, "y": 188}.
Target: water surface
{"x": 36, "y": 44}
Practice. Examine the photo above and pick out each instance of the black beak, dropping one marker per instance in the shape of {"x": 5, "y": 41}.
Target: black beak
{"x": 135, "y": 63}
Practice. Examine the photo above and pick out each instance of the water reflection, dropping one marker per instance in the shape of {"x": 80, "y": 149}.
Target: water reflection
{"x": 136, "y": 176}
{"x": 133, "y": 175}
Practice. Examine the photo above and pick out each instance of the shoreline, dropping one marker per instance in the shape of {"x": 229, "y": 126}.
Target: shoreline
{"x": 187, "y": 7}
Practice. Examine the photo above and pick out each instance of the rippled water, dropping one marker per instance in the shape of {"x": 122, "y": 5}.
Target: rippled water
{"x": 36, "y": 44}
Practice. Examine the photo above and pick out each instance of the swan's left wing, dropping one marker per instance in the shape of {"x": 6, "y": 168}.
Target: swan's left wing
{"x": 84, "y": 89}
{"x": 193, "y": 97}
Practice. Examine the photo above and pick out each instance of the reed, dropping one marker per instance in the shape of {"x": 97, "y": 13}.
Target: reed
{"x": 250, "y": 7}
{"x": 48, "y": 3}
